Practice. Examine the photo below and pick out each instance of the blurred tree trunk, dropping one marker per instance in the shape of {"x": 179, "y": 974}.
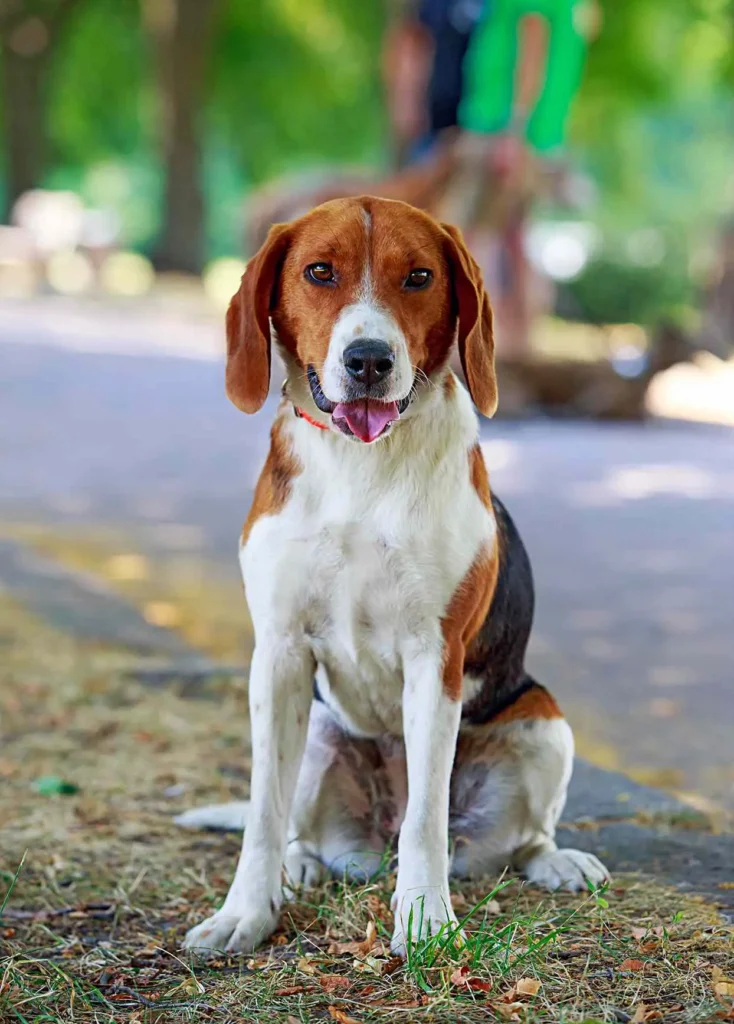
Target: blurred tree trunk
{"x": 182, "y": 32}
{"x": 29, "y": 33}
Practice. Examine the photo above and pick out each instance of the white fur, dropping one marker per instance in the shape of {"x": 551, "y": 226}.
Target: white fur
{"x": 280, "y": 694}
{"x": 361, "y": 320}
{"x": 422, "y": 902}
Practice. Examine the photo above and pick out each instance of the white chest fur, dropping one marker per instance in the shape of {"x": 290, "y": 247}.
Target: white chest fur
{"x": 363, "y": 560}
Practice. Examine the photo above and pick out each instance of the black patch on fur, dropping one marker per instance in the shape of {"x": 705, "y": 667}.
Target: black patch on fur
{"x": 496, "y": 656}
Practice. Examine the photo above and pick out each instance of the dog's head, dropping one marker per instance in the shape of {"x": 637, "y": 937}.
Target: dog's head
{"x": 366, "y": 297}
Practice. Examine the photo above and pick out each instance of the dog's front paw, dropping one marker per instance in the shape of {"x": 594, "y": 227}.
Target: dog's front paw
{"x": 566, "y": 869}
{"x": 231, "y": 932}
{"x": 420, "y": 914}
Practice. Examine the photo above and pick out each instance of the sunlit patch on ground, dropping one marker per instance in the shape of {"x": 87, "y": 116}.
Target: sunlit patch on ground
{"x": 177, "y": 591}
{"x": 701, "y": 391}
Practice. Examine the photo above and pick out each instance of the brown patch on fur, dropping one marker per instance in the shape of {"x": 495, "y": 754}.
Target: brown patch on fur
{"x": 449, "y": 385}
{"x": 274, "y": 483}
{"x": 464, "y": 616}
{"x": 536, "y": 702}
{"x": 471, "y": 602}
{"x": 304, "y": 313}
{"x": 479, "y": 476}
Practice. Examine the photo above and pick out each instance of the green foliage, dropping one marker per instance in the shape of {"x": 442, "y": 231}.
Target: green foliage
{"x": 611, "y": 291}
{"x": 295, "y": 84}
{"x": 102, "y": 108}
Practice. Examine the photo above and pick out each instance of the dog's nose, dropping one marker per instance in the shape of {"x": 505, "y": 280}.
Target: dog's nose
{"x": 368, "y": 361}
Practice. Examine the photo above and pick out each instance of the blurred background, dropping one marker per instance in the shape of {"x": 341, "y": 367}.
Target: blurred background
{"x": 585, "y": 148}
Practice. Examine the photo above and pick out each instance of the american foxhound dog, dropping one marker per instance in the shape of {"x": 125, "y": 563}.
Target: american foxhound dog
{"x": 390, "y": 593}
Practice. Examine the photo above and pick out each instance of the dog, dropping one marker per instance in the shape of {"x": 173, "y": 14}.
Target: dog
{"x": 390, "y": 593}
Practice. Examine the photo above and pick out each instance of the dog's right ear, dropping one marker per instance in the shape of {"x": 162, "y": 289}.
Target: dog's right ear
{"x": 248, "y": 324}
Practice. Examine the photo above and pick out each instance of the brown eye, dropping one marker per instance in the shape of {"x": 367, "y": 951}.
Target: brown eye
{"x": 320, "y": 273}
{"x": 417, "y": 279}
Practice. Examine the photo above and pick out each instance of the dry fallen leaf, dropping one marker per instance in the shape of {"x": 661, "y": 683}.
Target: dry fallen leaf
{"x": 370, "y": 965}
{"x": 480, "y": 985}
{"x": 640, "y": 1015}
{"x": 641, "y": 933}
{"x": 460, "y": 976}
{"x": 724, "y": 988}
{"x": 341, "y": 1016}
{"x": 305, "y": 965}
{"x": 527, "y": 987}
{"x": 357, "y": 948}
{"x": 631, "y": 965}
{"x": 290, "y": 990}
{"x": 334, "y": 982}
{"x": 462, "y": 979}
{"x": 717, "y": 974}
{"x": 508, "y": 1011}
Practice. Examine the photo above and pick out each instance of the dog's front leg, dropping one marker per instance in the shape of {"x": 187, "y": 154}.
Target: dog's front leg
{"x": 421, "y": 901}
{"x": 281, "y": 680}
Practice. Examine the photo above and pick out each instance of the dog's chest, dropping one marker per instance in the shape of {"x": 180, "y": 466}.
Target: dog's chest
{"x": 369, "y": 600}
{"x": 363, "y": 575}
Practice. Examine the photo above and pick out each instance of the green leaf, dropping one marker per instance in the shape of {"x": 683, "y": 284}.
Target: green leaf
{"x": 54, "y": 785}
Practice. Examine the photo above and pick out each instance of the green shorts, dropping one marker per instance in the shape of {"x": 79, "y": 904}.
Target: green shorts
{"x": 490, "y": 69}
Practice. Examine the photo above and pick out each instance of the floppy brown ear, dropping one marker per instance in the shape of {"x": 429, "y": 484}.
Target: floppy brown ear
{"x": 248, "y": 324}
{"x": 475, "y": 336}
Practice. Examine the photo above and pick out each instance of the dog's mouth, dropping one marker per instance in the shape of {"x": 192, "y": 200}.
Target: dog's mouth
{"x": 364, "y": 418}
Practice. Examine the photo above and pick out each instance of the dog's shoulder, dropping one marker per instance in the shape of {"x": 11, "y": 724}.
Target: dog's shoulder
{"x": 275, "y": 483}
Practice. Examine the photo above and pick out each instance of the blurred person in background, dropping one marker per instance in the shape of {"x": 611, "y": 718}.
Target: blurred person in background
{"x": 500, "y": 76}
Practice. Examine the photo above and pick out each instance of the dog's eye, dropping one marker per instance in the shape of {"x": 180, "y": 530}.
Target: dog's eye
{"x": 320, "y": 273}
{"x": 417, "y": 279}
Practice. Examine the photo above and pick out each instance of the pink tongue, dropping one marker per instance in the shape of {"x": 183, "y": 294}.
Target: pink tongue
{"x": 367, "y": 418}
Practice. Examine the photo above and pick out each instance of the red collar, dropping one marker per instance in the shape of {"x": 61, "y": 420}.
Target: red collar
{"x": 309, "y": 419}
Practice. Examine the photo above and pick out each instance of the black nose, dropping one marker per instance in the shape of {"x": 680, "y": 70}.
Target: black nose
{"x": 368, "y": 361}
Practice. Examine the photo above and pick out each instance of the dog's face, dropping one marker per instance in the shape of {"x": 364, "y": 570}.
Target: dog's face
{"x": 365, "y": 296}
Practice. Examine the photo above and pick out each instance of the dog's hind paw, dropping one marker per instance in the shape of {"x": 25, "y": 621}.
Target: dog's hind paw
{"x": 566, "y": 869}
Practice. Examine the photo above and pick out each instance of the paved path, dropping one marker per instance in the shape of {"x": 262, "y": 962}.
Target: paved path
{"x": 110, "y": 418}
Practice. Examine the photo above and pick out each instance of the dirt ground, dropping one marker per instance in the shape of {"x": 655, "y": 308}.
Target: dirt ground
{"x": 97, "y": 886}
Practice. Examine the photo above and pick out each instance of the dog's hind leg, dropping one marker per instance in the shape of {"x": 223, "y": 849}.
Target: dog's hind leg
{"x": 336, "y": 810}
{"x": 508, "y": 791}
{"x": 339, "y": 801}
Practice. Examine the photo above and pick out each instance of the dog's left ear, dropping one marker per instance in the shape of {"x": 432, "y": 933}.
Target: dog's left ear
{"x": 475, "y": 335}
{"x": 248, "y": 323}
